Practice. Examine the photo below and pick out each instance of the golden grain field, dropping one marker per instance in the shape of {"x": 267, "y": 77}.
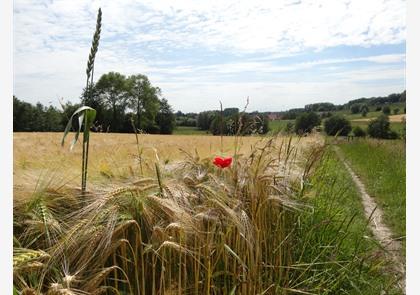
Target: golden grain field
{"x": 39, "y": 157}
{"x": 182, "y": 226}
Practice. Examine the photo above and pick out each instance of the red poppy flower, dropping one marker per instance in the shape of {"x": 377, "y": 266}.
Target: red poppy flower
{"x": 222, "y": 162}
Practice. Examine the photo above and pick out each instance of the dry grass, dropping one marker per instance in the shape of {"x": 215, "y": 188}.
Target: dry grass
{"x": 392, "y": 118}
{"x": 191, "y": 229}
{"x": 113, "y": 158}
{"x": 185, "y": 226}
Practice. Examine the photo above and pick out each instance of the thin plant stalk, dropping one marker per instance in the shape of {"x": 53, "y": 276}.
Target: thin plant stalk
{"x": 139, "y": 151}
{"x": 221, "y": 127}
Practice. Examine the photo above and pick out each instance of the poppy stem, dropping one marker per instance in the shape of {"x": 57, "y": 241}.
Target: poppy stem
{"x": 221, "y": 127}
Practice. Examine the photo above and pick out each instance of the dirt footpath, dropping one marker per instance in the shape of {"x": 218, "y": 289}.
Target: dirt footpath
{"x": 381, "y": 232}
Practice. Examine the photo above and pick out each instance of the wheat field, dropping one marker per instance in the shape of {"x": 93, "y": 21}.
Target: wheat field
{"x": 39, "y": 157}
{"x": 158, "y": 217}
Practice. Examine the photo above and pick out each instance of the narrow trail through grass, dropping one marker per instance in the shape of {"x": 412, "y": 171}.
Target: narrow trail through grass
{"x": 379, "y": 229}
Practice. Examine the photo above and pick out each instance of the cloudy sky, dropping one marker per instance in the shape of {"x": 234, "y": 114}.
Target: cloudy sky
{"x": 282, "y": 53}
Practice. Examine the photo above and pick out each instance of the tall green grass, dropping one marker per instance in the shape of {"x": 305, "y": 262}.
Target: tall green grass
{"x": 381, "y": 166}
{"x": 336, "y": 253}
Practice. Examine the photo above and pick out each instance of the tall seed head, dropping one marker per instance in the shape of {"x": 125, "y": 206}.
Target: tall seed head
{"x": 95, "y": 45}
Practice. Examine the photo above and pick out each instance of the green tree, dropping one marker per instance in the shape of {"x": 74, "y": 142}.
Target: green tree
{"x": 305, "y": 122}
{"x": 219, "y": 124}
{"x": 364, "y": 110}
{"x": 227, "y": 112}
{"x": 53, "y": 120}
{"x": 205, "y": 119}
{"x": 355, "y": 109}
{"x": 396, "y": 111}
{"x": 386, "y": 110}
{"x": 112, "y": 90}
{"x": 143, "y": 99}
{"x": 380, "y": 128}
{"x": 23, "y": 115}
{"x": 337, "y": 125}
{"x": 359, "y": 132}
{"x": 165, "y": 118}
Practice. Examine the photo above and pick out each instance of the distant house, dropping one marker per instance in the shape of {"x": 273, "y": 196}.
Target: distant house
{"x": 273, "y": 116}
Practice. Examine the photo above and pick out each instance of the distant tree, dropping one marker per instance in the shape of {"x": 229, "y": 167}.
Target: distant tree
{"x": 386, "y": 110}
{"x": 396, "y": 111}
{"x": 53, "y": 120}
{"x": 23, "y": 115}
{"x": 364, "y": 113}
{"x": 143, "y": 99}
{"x": 359, "y": 131}
{"x": 219, "y": 125}
{"x": 205, "y": 119}
{"x": 27, "y": 117}
{"x": 402, "y": 96}
{"x": 326, "y": 115}
{"x": 230, "y": 111}
{"x": 112, "y": 89}
{"x": 380, "y": 128}
{"x": 378, "y": 109}
{"x": 305, "y": 122}
{"x": 364, "y": 110}
{"x": 240, "y": 123}
{"x": 182, "y": 119}
{"x": 320, "y": 107}
{"x": 165, "y": 118}
{"x": 355, "y": 108}
{"x": 293, "y": 113}
{"x": 337, "y": 125}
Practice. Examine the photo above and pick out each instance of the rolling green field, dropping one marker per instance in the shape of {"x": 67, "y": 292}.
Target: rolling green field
{"x": 395, "y": 126}
{"x": 184, "y": 130}
{"x": 278, "y": 125}
{"x": 355, "y": 120}
{"x": 381, "y": 166}
{"x": 372, "y": 112}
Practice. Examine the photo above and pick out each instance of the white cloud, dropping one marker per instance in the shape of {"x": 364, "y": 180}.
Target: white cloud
{"x": 241, "y": 26}
{"x": 52, "y": 40}
{"x": 265, "y": 96}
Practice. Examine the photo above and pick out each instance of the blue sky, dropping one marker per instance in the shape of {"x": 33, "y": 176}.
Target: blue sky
{"x": 280, "y": 54}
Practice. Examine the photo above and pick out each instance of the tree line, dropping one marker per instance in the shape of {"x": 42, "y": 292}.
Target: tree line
{"x": 338, "y": 125}
{"x": 360, "y": 105}
{"x": 232, "y": 122}
{"x": 122, "y": 103}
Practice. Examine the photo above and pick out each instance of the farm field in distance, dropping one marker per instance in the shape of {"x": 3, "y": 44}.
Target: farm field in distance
{"x": 397, "y": 121}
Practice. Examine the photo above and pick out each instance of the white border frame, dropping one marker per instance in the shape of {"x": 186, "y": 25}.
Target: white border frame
{"x": 6, "y": 123}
